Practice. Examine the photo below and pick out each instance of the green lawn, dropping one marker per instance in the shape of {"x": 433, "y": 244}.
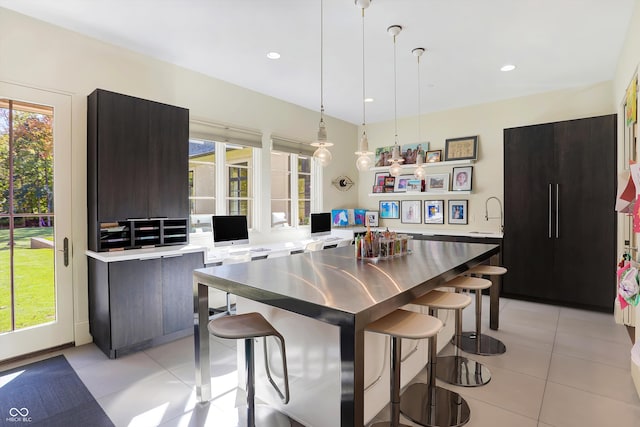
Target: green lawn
{"x": 34, "y": 280}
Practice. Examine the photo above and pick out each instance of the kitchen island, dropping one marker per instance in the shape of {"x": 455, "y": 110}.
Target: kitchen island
{"x": 334, "y": 288}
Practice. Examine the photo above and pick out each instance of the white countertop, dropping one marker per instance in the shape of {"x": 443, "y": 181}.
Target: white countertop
{"x": 149, "y": 253}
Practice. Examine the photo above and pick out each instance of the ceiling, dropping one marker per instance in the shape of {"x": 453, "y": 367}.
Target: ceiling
{"x": 555, "y": 44}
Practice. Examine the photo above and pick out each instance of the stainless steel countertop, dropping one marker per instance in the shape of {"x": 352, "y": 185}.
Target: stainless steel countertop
{"x": 334, "y": 287}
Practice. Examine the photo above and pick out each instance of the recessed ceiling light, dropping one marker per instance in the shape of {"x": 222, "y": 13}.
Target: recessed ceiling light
{"x": 368, "y": 100}
{"x": 273, "y": 55}
{"x": 508, "y": 67}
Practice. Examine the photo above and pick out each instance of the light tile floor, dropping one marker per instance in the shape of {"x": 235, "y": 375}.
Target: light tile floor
{"x": 563, "y": 368}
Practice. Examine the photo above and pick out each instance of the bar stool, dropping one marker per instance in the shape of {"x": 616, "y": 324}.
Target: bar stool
{"x": 402, "y": 324}
{"x": 457, "y": 370}
{"x": 427, "y": 404}
{"x": 476, "y": 342}
{"x": 249, "y": 326}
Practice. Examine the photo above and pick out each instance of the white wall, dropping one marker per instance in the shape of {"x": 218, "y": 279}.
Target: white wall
{"x": 40, "y": 55}
{"x": 487, "y": 121}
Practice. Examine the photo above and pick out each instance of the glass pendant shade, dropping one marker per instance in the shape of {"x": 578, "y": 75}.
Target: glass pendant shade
{"x": 364, "y": 162}
{"x": 419, "y": 172}
{"x": 395, "y": 169}
{"x": 323, "y": 155}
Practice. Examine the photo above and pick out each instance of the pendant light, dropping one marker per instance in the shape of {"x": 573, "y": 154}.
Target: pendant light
{"x": 395, "y": 169}
{"x": 419, "y": 172}
{"x": 322, "y": 154}
{"x": 364, "y": 161}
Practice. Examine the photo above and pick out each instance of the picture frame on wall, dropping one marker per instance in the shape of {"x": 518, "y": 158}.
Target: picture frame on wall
{"x": 411, "y": 212}
{"x": 409, "y": 152}
{"x": 433, "y": 156}
{"x": 465, "y": 148}
{"x": 437, "y": 183}
{"x": 434, "y": 211}
{"x": 402, "y": 182}
{"x": 414, "y": 185}
{"x": 462, "y": 178}
{"x": 389, "y": 184}
{"x": 389, "y": 209}
{"x": 383, "y": 155}
{"x": 371, "y": 217}
{"x": 458, "y": 211}
{"x": 379, "y": 180}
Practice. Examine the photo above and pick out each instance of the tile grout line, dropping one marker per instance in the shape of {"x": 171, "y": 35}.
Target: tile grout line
{"x": 546, "y": 381}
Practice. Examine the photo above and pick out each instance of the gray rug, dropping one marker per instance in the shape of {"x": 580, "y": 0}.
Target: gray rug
{"x": 48, "y": 393}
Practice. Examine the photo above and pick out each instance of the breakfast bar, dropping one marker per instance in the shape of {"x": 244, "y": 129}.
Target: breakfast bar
{"x": 335, "y": 288}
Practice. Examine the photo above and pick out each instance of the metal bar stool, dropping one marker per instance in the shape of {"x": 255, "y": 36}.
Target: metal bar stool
{"x": 457, "y": 370}
{"x": 402, "y": 324}
{"x": 428, "y": 404}
{"x": 249, "y": 326}
{"x": 476, "y": 342}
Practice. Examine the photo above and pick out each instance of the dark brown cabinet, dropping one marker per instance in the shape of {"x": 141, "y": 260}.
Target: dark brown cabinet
{"x": 137, "y": 163}
{"x": 136, "y": 304}
{"x": 560, "y": 225}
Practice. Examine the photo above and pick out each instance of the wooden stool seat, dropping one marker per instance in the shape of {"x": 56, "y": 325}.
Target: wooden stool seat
{"x": 242, "y": 326}
{"x": 443, "y": 300}
{"x": 487, "y": 270}
{"x": 406, "y": 324}
{"x": 402, "y": 324}
{"x": 466, "y": 282}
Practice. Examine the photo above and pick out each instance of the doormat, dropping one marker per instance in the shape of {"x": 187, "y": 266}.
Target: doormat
{"x": 48, "y": 393}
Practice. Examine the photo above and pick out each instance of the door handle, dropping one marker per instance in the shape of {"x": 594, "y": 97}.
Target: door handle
{"x": 557, "y": 210}
{"x": 549, "y": 210}
{"x": 65, "y": 246}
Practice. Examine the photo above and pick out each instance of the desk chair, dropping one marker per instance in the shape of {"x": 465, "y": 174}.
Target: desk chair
{"x": 230, "y": 300}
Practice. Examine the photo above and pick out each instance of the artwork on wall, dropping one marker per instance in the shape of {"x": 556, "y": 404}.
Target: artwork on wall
{"x": 434, "y": 211}
{"x": 433, "y": 156}
{"x": 339, "y": 217}
{"x": 414, "y": 185}
{"x": 401, "y": 183}
{"x": 409, "y": 152}
{"x": 359, "y": 216}
{"x": 372, "y": 218}
{"x": 383, "y": 155}
{"x": 437, "y": 183}
{"x": 411, "y": 212}
{"x": 458, "y": 211}
{"x": 465, "y": 148}
{"x": 462, "y": 178}
{"x": 389, "y": 209}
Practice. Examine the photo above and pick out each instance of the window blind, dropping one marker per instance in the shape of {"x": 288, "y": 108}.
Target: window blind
{"x": 291, "y": 146}
{"x": 221, "y": 133}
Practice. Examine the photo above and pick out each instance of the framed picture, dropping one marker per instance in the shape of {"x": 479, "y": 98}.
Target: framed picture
{"x": 401, "y": 183}
{"x": 378, "y": 189}
{"x": 371, "y": 218}
{"x": 359, "y": 216}
{"x": 339, "y": 217}
{"x": 434, "y": 211}
{"x": 437, "y": 183}
{"x": 409, "y": 152}
{"x": 411, "y": 212}
{"x": 433, "y": 156}
{"x": 383, "y": 155}
{"x": 389, "y": 209}
{"x": 465, "y": 148}
{"x": 389, "y": 182}
{"x": 414, "y": 185}
{"x": 462, "y": 178}
{"x": 380, "y": 176}
{"x": 458, "y": 212}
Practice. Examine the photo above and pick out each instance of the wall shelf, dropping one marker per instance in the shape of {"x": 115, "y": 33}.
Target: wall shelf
{"x": 420, "y": 194}
{"x": 427, "y": 165}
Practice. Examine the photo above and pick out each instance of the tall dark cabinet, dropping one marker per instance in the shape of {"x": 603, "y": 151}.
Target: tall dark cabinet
{"x": 137, "y": 197}
{"x": 137, "y": 168}
{"x": 560, "y": 223}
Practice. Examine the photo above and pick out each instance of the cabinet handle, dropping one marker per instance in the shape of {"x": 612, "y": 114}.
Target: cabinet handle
{"x": 66, "y": 251}
{"x": 172, "y": 256}
{"x": 549, "y": 210}
{"x": 557, "y": 210}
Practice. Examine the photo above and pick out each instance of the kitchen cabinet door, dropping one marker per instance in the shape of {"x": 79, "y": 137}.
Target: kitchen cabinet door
{"x": 177, "y": 291}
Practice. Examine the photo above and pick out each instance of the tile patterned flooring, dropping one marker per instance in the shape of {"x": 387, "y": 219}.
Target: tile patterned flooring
{"x": 563, "y": 368}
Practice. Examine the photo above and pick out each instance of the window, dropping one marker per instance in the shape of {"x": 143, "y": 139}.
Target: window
{"x": 290, "y": 189}
{"x": 239, "y": 194}
{"x": 202, "y": 184}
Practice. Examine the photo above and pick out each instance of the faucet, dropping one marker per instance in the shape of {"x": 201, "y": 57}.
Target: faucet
{"x": 486, "y": 212}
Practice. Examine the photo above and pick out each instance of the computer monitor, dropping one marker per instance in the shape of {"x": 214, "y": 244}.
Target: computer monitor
{"x": 229, "y": 230}
{"x": 320, "y": 224}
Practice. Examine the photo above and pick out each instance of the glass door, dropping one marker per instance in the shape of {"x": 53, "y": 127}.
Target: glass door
{"x": 36, "y": 297}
